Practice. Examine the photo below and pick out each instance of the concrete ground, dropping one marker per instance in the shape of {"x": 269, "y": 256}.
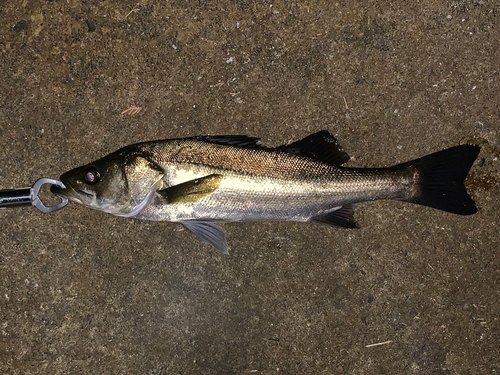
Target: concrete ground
{"x": 83, "y": 292}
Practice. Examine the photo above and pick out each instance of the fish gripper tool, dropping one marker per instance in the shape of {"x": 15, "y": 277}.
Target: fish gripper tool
{"x": 29, "y": 196}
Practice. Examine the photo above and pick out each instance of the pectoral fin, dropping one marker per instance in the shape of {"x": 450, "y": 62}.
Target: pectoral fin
{"x": 209, "y": 232}
{"x": 191, "y": 191}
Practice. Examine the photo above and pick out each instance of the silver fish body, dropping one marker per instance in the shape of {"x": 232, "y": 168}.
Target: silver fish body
{"x": 264, "y": 184}
{"x": 202, "y": 180}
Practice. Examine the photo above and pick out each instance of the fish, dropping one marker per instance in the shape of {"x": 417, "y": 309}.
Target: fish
{"x": 204, "y": 180}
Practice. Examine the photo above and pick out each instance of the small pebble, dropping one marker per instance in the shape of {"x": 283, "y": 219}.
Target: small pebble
{"x": 20, "y": 26}
{"x": 90, "y": 25}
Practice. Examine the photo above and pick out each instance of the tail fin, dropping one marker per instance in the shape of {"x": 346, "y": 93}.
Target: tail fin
{"x": 442, "y": 176}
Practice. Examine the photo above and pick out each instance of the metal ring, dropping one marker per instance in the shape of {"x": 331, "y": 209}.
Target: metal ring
{"x": 35, "y": 200}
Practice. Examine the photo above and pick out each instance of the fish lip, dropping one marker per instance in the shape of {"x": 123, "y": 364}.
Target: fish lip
{"x": 69, "y": 192}
{"x": 61, "y": 192}
{"x": 56, "y": 190}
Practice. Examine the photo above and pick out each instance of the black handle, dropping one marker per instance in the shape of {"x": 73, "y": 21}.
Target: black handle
{"x": 15, "y": 197}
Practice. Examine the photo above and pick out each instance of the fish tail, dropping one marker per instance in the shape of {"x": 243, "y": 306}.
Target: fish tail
{"x": 441, "y": 176}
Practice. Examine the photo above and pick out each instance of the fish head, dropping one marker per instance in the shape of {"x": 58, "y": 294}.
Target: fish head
{"x": 122, "y": 183}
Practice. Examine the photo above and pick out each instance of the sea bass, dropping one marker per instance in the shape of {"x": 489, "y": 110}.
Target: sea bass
{"x": 202, "y": 180}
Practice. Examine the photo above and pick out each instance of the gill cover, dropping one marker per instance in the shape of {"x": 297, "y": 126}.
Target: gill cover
{"x": 122, "y": 183}
{"x": 143, "y": 179}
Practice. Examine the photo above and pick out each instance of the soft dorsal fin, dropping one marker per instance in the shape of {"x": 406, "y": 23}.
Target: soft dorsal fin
{"x": 320, "y": 146}
{"x": 231, "y": 140}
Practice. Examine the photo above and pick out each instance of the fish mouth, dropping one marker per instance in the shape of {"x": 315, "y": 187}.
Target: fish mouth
{"x": 80, "y": 196}
{"x": 58, "y": 191}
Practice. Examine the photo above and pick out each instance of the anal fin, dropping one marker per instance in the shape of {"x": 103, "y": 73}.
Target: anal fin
{"x": 343, "y": 217}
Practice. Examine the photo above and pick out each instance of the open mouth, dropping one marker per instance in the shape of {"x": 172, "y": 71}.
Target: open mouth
{"x": 58, "y": 191}
{"x": 80, "y": 196}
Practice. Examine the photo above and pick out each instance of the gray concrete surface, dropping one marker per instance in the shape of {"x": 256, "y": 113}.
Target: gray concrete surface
{"x": 82, "y": 292}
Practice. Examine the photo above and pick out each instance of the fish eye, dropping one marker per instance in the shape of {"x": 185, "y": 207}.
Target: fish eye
{"x": 91, "y": 175}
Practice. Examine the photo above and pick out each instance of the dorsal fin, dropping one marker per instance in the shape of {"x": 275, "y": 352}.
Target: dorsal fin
{"x": 231, "y": 140}
{"x": 320, "y": 146}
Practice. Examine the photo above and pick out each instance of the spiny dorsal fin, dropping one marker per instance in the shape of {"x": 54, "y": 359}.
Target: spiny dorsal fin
{"x": 231, "y": 140}
{"x": 320, "y": 146}
{"x": 343, "y": 217}
{"x": 191, "y": 191}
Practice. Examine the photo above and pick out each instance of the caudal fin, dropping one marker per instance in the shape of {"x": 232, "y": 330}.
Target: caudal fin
{"x": 442, "y": 176}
